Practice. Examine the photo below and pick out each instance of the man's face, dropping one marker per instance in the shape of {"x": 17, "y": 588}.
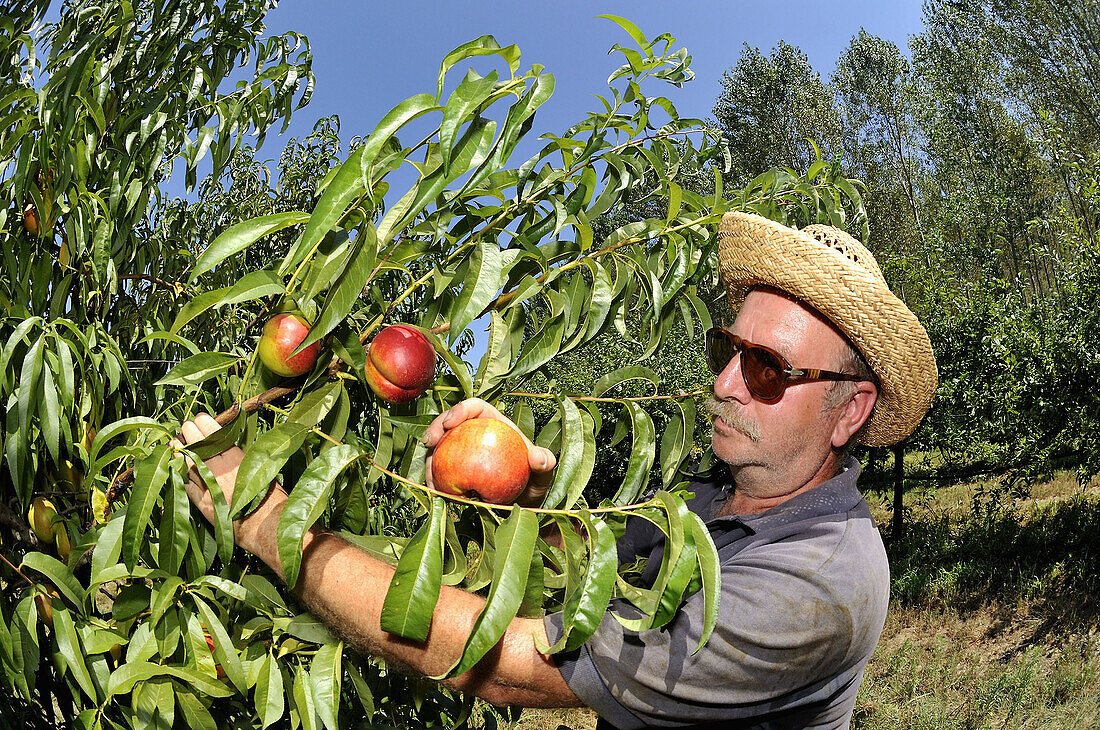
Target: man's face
{"x": 782, "y": 445}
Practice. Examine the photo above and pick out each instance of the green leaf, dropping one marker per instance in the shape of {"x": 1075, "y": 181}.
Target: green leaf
{"x": 262, "y": 462}
{"x": 343, "y": 295}
{"x": 175, "y": 523}
{"x": 195, "y": 714}
{"x": 124, "y": 678}
{"x": 325, "y": 674}
{"x": 224, "y": 651}
{"x": 710, "y": 571}
{"x": 573, "y": 469}
{"x": 252, "y": 286}
{"x": 315, "y": 405}
{"x": 199, "y": 368}
{"x": 483, "y": 46}
{"x": 677, "y": 439}
{"x": 111, "y": 430}
{"x": 49, "y": 417}
{"x": 58, "y": 573}
{"x": 150, "y": 474}
{"x": 587, "y": 605}
{"x": 480, "y": 287}
{"x": 307, "y": 628}
{"x": 414, "y": 588}
{"x": 307, "y": 502}
{"x": 470, "y": 94}
{"x": 457, "y": 366}
{"x": 302, "y": 695}
{"x": 641, "y": 455}
{"x": 623, "y": 375}
{"x": 515, "y": 540}
{"x": 242, "y": 235}
{"x": 68, "y": 643}
{"x": 270, "y": 704}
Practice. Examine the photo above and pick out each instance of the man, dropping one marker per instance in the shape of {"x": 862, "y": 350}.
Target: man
{"x": 821, "y": 355}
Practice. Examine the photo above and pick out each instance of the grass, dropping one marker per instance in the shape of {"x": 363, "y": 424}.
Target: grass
{"x": 995, "y": 613}
{"x": 994, "y": 619}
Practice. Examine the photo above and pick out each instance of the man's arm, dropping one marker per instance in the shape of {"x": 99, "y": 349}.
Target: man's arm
{"x": 345, "y": 588}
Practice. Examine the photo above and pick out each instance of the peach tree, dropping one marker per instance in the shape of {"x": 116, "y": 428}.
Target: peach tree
{"x": 115, "y": 331}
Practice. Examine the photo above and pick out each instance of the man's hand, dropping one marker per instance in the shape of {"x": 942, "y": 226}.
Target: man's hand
{"x": 542, "y": 461}
{"x": 224, "y": 468}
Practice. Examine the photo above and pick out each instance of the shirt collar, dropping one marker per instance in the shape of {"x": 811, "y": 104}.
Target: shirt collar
{"x": 835, "y": 496}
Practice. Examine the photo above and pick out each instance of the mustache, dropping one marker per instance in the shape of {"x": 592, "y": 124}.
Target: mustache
{"x": 733, "y": 416}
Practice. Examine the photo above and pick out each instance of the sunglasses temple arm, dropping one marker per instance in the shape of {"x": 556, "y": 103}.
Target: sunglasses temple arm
{"x": 812, "y": 374}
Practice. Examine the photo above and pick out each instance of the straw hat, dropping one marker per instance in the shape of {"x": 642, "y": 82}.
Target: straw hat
{"x": 832, "y": 272}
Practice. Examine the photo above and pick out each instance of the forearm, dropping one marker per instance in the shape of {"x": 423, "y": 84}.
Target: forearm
{"x": 345, "y": 588}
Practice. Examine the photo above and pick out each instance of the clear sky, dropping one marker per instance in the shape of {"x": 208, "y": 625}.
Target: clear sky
{"x": 368, "y": 56}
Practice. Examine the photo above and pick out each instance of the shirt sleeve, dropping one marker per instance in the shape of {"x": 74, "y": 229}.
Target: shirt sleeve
{"x": 780, "y": 638}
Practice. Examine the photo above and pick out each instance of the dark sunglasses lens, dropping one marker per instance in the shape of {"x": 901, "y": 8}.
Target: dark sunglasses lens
{"x": 719, "y": 351}
{"x": 763, "y": 373}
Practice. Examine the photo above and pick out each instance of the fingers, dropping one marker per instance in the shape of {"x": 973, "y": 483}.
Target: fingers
{"x": 541, "y": 459}
{"x": 464, "y": 411}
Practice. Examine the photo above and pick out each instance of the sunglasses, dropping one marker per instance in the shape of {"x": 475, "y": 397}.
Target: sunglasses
{"x": 767, "y": 375}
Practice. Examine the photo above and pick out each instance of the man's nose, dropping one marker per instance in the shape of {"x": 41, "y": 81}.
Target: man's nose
{"x": 730, "y": 383}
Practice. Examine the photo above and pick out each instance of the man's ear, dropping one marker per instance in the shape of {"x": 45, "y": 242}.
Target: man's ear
{"x": 855, "y": 412}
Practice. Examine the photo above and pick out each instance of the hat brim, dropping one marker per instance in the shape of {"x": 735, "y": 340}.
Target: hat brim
{"x": 755, "y": 251}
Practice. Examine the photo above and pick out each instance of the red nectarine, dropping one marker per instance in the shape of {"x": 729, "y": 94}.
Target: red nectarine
{"x": 482, "y": 457}
{"x": 282, "y": 335}
{"x": 400, "y": 363}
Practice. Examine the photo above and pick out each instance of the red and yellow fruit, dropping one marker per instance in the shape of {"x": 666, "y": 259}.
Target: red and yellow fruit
{"x": 41, "y": 516}
{"x": 400, "y": 363}
{"x": 281, "y": 337}
{"x": 484, "y": 458}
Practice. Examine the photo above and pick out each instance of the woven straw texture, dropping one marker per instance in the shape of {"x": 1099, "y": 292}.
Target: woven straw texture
{"x": 833, "y": 272}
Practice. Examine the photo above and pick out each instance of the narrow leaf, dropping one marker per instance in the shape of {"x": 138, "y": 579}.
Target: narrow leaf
{"x": 414, "y": 588}
{"x": 150, "y": 474}
{"x": 242, "y": 235}
{"x": 307, "y": 502}
{"x": 262, "y": 462}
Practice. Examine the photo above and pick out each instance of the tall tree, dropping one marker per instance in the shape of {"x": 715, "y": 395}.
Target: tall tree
{"x": 770, "y": 106}
{"x": 882, "y": 139}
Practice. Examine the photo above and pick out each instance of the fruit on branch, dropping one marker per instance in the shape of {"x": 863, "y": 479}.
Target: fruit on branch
{"x": 30, "y": 219}
{"x": 41, "y": 516}
{"x": 282, "y": 335}
{"x": 38, "y": 222}
{"x": 484, "y": 458}
{"x": 44, "y": 603}
{"x": 400, "y": 363}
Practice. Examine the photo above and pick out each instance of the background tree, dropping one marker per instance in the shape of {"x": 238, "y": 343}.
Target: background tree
{"x": 768, "y": 109}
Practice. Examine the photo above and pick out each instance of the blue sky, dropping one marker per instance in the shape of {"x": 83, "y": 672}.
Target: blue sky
{"x": 368, "y": 56}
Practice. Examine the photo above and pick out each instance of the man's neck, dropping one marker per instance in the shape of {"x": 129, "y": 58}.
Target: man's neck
{"x": 748, "y": 501}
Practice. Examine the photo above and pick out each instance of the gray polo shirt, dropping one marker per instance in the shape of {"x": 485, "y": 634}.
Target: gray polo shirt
{"x": 805, "y": 587}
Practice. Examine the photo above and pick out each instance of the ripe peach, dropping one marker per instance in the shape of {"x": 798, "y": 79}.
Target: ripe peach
{"x": 400, "y": 363}
{"x": 282, "y": 335}
{"x": 482, "y": 457}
